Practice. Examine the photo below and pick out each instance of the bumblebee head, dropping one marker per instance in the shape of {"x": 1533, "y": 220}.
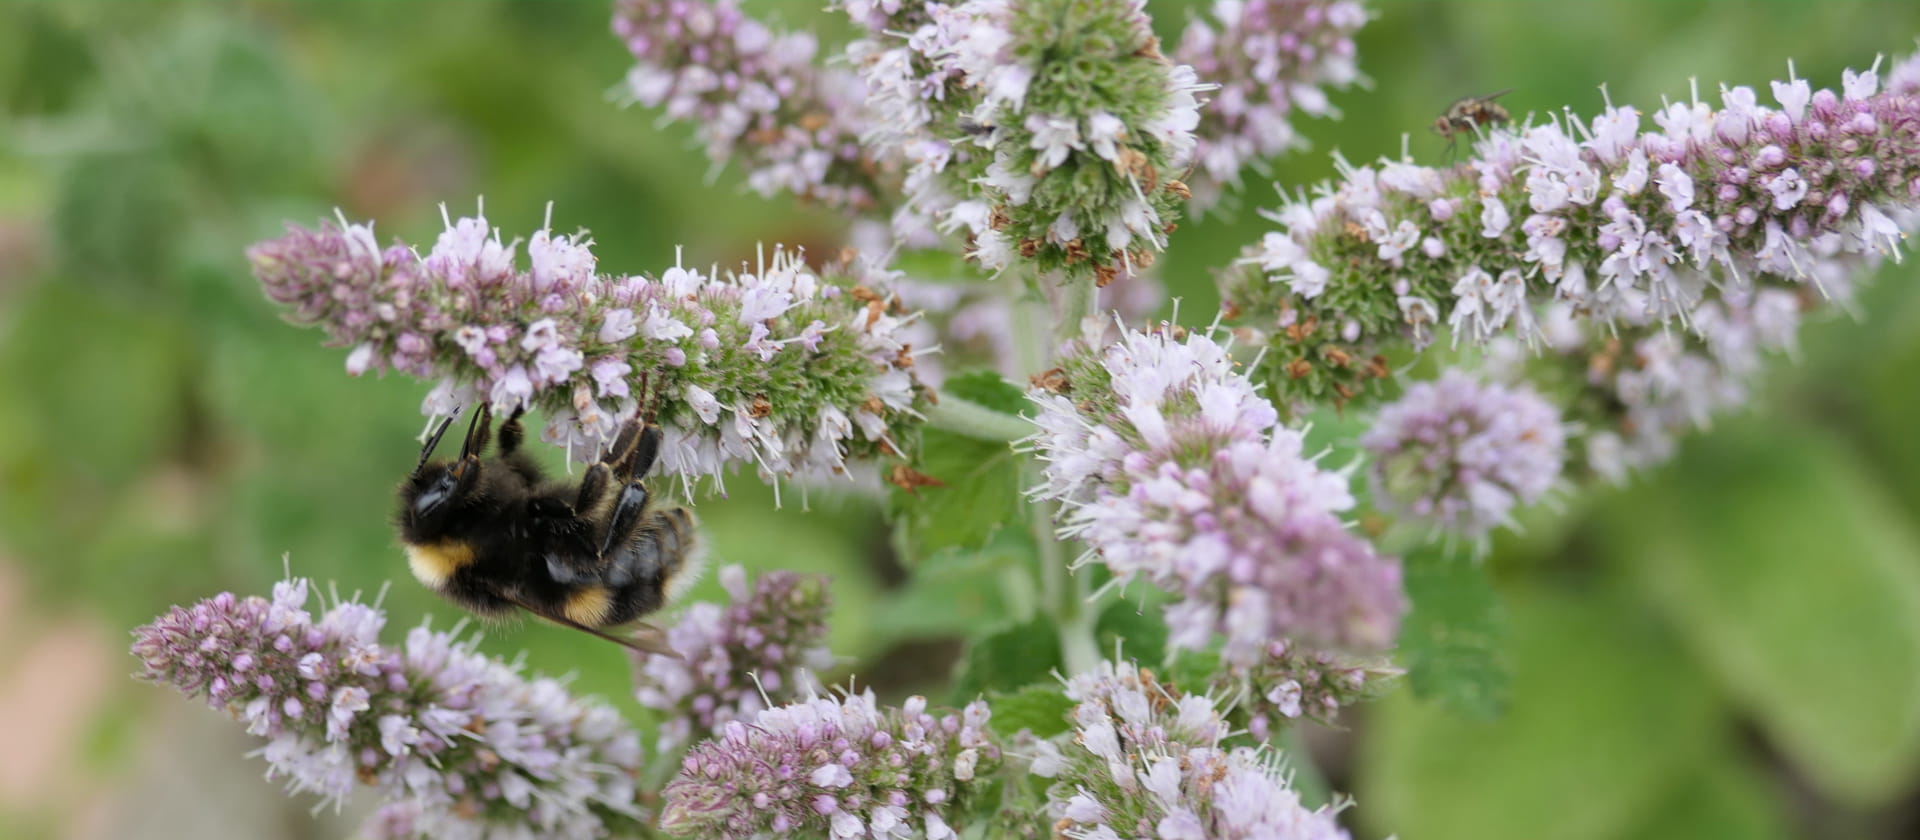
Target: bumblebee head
{"x": 435, "y": 485}
{"x": 1443, "y": 126}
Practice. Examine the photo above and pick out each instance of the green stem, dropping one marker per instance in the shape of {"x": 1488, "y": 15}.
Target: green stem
{"x": 966, "y": 417}
{"x": 1065, "y": 601}
{"x": 1064, "y": 595}
{"x": 1076, "y": 303}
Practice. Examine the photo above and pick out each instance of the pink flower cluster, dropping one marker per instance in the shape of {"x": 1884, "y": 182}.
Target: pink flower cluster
{"x": 767, "y": 642}
{"x": 1148, "y": 761}
{"x": 775, "y": 366}
{"x": 842, "y": 768}
{"x": 1461, "y": 454}
{"x": 458, "y": 744}
{"x": 752, "y": 93}
{"x": 1272, "y": 59}
{"x": 1173, "y": 468}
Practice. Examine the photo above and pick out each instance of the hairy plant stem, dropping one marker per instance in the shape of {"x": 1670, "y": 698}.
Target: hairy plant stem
{"x": 966, "y": 417}
{"x": 1036, "y": 332}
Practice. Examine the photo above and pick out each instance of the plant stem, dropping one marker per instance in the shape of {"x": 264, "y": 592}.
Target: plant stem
{"x": 966, "y": 417}
{"x": 1076, "y": 303}
{"x": 1064, "y": 602}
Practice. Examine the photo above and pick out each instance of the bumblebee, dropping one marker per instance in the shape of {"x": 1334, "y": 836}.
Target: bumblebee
{"x": 495, "y": 535}
{"x": 1466, "y": 115}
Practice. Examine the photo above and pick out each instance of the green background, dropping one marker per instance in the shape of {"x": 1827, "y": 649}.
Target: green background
{"x": 1730, "y": 647}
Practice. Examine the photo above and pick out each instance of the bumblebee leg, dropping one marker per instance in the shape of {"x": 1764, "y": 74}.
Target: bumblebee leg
{"x": 623, "y": 447}
{"x": 654, "y": 566}
{"x": 625, "y": 518}
{"x": 639, "y": 460}
{"x": 512, "y": 433}
{"x": 592, "y": 487}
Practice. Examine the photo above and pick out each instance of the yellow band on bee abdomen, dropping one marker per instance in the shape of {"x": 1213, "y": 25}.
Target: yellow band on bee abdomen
{"x": 589, "y": 605}
{"x": 434, "y": 563}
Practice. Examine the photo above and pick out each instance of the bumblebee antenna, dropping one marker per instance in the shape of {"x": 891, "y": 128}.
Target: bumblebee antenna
{"x": 427, "y": 451}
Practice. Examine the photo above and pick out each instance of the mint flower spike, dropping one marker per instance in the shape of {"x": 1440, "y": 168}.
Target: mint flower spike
{"x": 1460, "y": 454}
{"x": 1292, "y": 682}
{"x": 776, "y": 366}
{"x": 1646, "y": 387}
{"x": 753, "y": 94}
{"x": 1049, "y": 132}
{"x": 1273, "y": 60}
{"x": 1146, "y": 759}
{"x": 1171, "y": 466}
{"x": 840, "y": 768}
{"x": 768, "y": 641}
{"x": 458, "y": 744}
{"x": 1631, "y": 227}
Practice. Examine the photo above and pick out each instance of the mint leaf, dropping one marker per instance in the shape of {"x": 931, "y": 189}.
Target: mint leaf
{"x": 1042, "y": 708}
{"x": 1141, "y": 635}
{"x": 1007, "y": 659}
{"x": 1452, "y": 640}
{"x": 979, "y": 491}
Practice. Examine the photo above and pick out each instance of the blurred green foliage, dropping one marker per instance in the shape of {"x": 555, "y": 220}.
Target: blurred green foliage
{"x": 1675, "y": 658}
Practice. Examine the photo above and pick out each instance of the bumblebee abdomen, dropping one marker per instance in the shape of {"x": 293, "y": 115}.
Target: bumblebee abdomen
{"x": 434, "y": 564}
{"x": 591, "y": 605}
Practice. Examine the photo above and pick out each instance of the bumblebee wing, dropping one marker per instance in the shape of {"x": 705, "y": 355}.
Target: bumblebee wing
{"x": 653, "y": 641}
{"x": 1492, "y": 96}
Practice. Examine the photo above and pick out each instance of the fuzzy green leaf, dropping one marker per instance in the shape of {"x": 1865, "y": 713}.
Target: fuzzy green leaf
{"x": 1041, "y": 708}
{"x": 979, "y": 491}
{"x": 1007, "y": 659}
{"x": 1792, "y": 576}
{"x": 1452, "y": 640}
{"x": 1609, "y": 717}
{"x": 952, "y": 593}
{"x": 1140, "y": 634}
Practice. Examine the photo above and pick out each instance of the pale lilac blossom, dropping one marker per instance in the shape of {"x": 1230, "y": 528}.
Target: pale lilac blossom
{"x": 767, "y": 641}
{"x": 1746, "y": 199}
{"x": 1172, "y": 467}
{"x": 734, "y": 358}
{"x": 843, "y": 768}
{"x": 455, "y": 743}
{"x": 1145, "y": 759}
{"x": 1462, "y": 455}
{"x": 1273, "y": 60}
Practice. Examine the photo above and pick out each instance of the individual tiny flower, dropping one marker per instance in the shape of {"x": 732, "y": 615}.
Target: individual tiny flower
{"x": 841, "y": 768}
{"x": 774, "y": 366}
{"x": 1272, "y": 60}
{"x": 1172, "y": 467}
{"x": 753, "y": 94}
{"x": 1292, "y": 682}
{"x": 1050, "y": 131}
{"x": 457, "y": 744}
{"x": 1632, "y": 225}
{"x": 766, "y": 642}
{"x": 1462, "y": 454}
{"x": 1146, "y": 760}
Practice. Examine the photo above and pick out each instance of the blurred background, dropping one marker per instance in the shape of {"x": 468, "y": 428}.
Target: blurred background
{"x": 1730, "y": 647}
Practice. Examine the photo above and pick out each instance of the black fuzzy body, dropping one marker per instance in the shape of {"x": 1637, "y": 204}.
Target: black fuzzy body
{"x": 495, "y": 535}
